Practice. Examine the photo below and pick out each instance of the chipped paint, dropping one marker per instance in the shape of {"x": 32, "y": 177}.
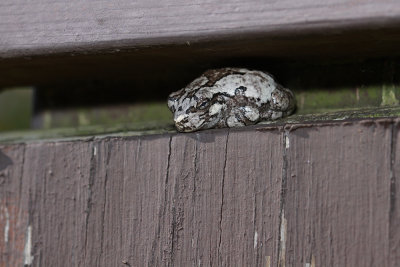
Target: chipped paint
{"x": 283, "y": 231}
{"x": 312, "y": 264}
{"x": 6, "y": 216}
{"x": 268, "y": 260}
{"x": 255, "y": 239}
{"x": 287, "y": 142}
{"x": 28, "y": 258}
{"x": 94, "y": 151}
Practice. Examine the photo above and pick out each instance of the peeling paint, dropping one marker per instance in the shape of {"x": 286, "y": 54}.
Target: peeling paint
{"x": 283, "y": 231}
{"x": 94, "y": 151}
{"x": 7, "y": 224}
{"x": 287, "y": 143}
{"x": 255, "y": 239}
{"x": 28, "y": 258}
{"x": 268, "y": 260}
{"x": 312, "y": 264}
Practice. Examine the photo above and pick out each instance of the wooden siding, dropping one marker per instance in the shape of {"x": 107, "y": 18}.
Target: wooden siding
{"x": 324, "y": 194}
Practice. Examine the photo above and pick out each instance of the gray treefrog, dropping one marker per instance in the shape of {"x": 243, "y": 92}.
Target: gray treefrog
{"x": 229, "y": 97}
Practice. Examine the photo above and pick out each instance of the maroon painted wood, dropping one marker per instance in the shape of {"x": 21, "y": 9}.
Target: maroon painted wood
{"x": 14, "y": 206}
{"x": 394, "y": 211}
{"x": 338, "y": 188}
{"x": 322, "y": 194}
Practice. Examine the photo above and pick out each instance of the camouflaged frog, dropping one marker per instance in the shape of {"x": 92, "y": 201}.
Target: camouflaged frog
{"x": 229, "y": 97}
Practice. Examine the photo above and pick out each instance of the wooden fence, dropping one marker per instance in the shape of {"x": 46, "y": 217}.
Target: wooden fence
{"x": 292, "y": 195}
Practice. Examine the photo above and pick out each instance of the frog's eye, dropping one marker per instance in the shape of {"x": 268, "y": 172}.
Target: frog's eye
{"x": 204, "y": 104}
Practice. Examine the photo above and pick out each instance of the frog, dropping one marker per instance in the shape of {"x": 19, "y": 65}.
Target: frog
{"x": 229, "y": 97}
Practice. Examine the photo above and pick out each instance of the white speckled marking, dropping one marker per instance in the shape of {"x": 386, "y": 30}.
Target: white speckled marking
{"x": 229, "y": 97}
{"x": 180, "y": 118}
{"x": 251, "y": 113}
{"x": 214, "y": 109}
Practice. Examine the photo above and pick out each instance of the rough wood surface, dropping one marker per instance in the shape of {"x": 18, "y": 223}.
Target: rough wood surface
{"x": 394, "y": 212}
{"x": 132, "y": 42}
{"x": 48, "y": 26}
{"x": 338, "y": 188}
{"x": 296, "y": 195}
{"x": 14, "y": 209}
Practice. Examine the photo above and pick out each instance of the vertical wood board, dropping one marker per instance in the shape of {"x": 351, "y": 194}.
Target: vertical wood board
{"x": 13, "y": 207}
{"x": 394, "y": 215}
{"x": 303, "y": 195}
{"x": 337, "y": 199}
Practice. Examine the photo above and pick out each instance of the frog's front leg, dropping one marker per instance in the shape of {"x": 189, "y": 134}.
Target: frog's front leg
{"x": 241, "y": 116}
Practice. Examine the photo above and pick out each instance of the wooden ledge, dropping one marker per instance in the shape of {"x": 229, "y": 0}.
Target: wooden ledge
{"x": 310, "y": 196}
{"x": 156, "y": 128}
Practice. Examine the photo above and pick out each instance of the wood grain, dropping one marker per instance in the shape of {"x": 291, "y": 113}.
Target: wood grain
{"x": 146, "y": 46}
{"x": 394, "y": 214}
{"x": 337, "y": 200}
{"x": 59, "y": 184}
{"x": 322, "y": 194}
{"x": 49, "y": 26}
{"x": 14, "y": 199}
{"x": 251, "y": 189}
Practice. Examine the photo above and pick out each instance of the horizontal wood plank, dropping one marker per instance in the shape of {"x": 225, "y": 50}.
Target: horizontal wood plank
{"x": 50, "y": 26}
{"x": 66, "y": 43}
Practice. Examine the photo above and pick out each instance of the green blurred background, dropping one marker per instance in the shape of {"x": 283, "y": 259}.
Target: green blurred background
{"x": 16, "y": 108}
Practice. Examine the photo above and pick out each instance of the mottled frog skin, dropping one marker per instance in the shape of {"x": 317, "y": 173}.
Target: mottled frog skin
{"x": 229, "y": 97}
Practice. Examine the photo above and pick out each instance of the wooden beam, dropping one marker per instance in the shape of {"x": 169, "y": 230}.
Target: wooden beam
{"x": 46, "y": 27}
{"x": 322, "y": 193}
{"x": 53, "y": 42}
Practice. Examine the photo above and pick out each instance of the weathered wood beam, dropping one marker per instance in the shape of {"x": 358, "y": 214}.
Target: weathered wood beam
{"x": 320, "y": 193}
{"x": 45, "y": 27}
{"x": 52, "y": 42}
